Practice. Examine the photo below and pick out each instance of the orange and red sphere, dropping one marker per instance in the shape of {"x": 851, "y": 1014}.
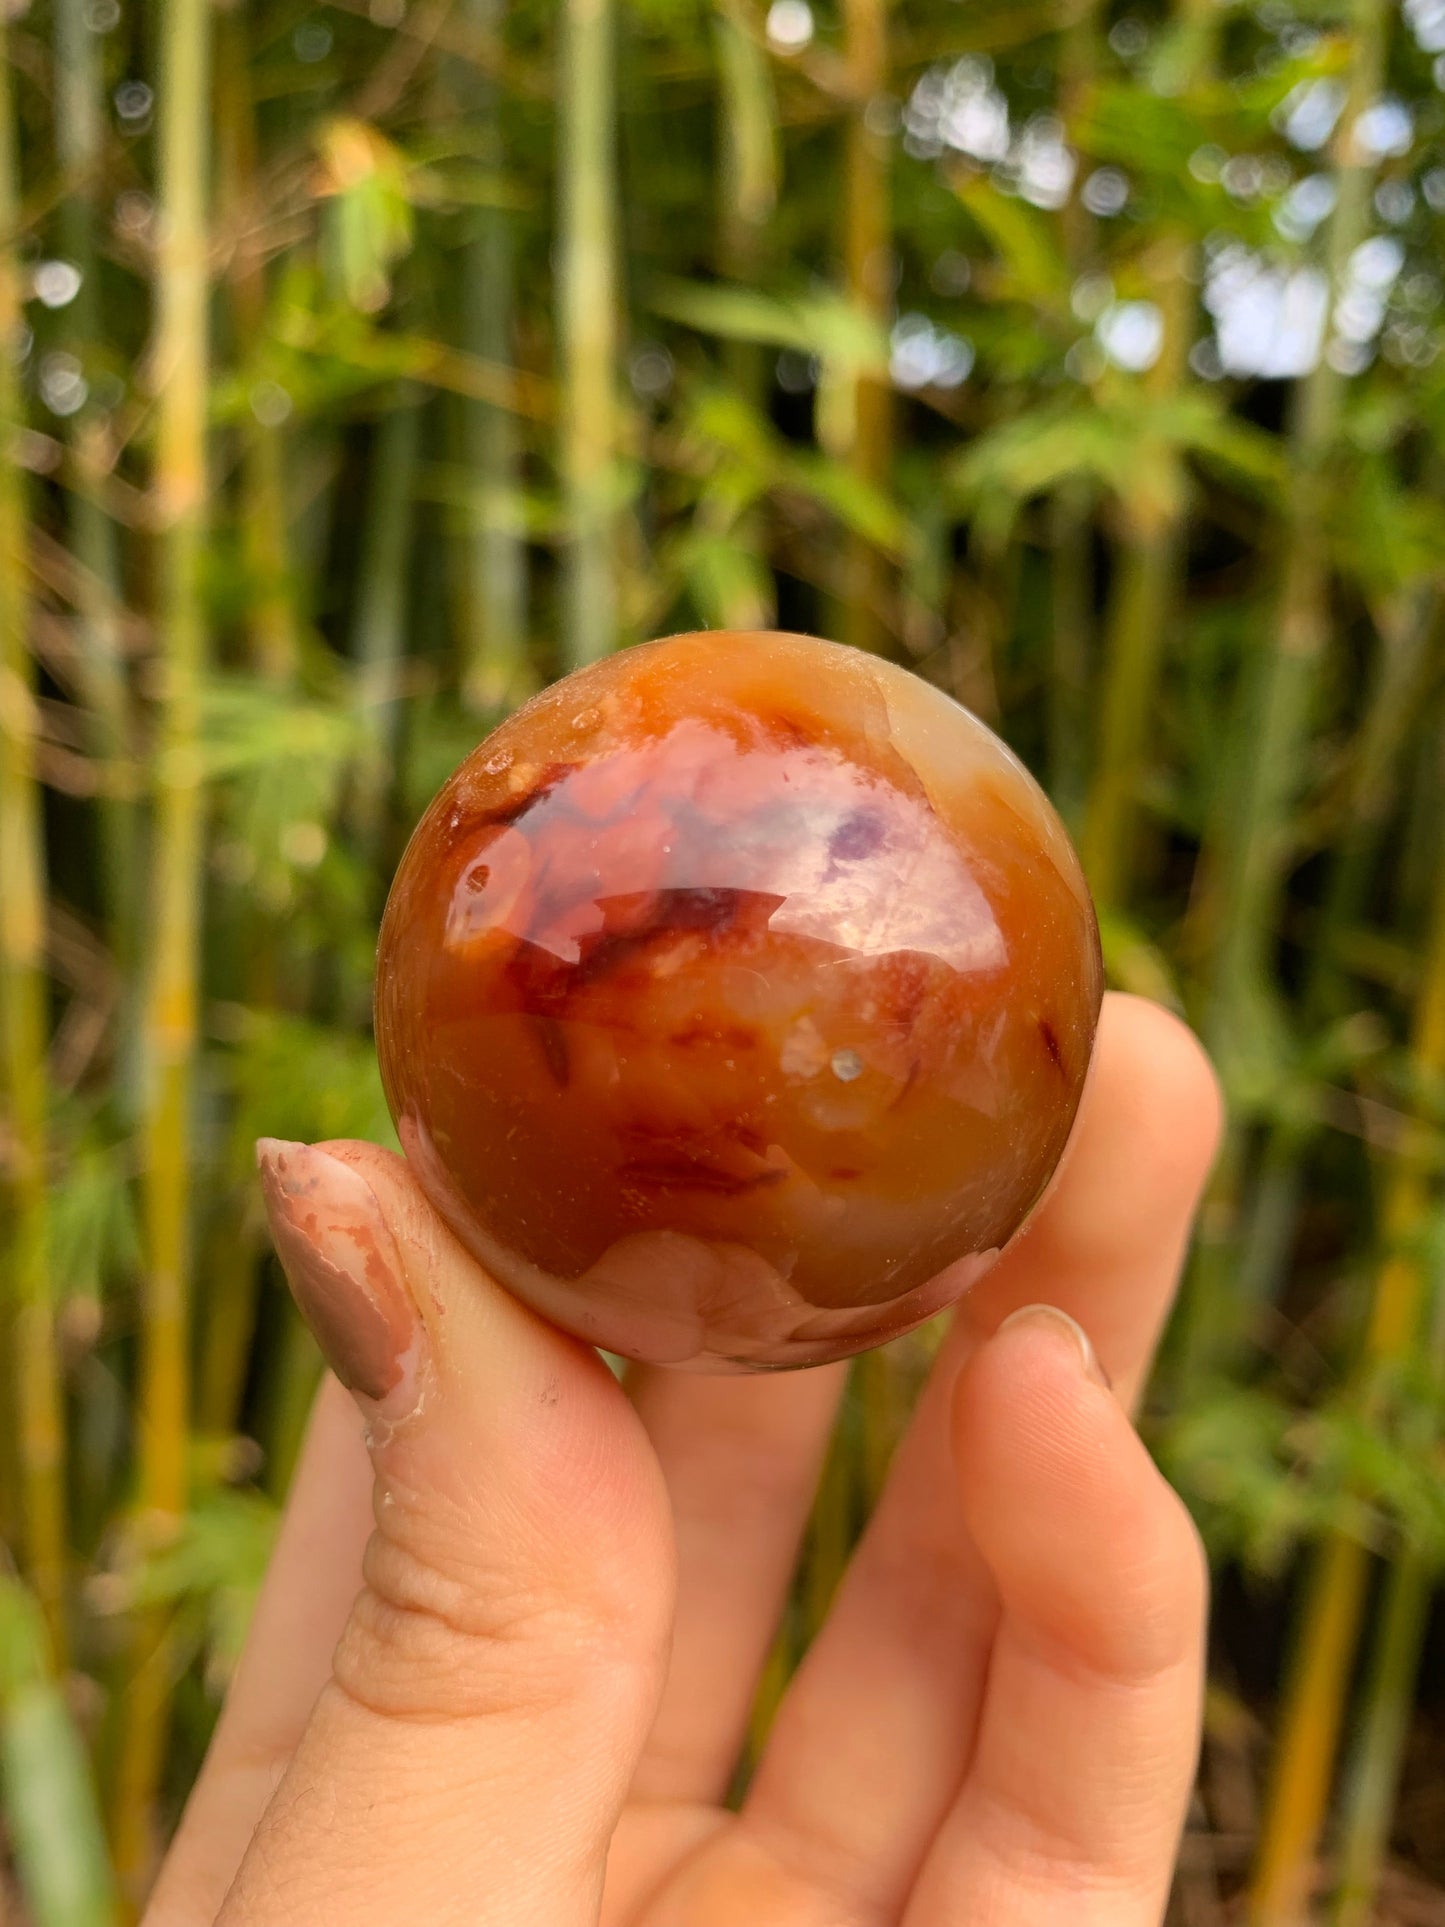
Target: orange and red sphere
{"x": 735, "y": 1000}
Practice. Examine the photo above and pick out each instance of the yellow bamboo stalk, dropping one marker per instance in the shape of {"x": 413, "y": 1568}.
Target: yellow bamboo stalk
{"x": 272, "y": 629}
{"x": 496, "y": 673}
{"x": 1313, "y": 1712}
{"x": 747, "y": 188}
{"x": 22, "y": 960}
{"x": 1071, "y": 571}
{"x": 79, "y": 145}
{"x": 169, "y": 1028}
{"x": 868, "y": 276}
{"x": 587, "y": 325}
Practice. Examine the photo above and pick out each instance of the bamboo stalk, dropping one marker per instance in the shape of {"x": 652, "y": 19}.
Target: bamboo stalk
{"x": 272, "y": 625}
{"x": 1247, "y": 850}
{"x": 1254, "y": 849}
{"x": 868, "y": 278}
{"x": 1071, "y": 513}
{"x": 179, "y": 376}
{"x": 1150, "y": 562}
{"x": 273, "y": 645}
{"x": 587, "y": 325}
{"x": 1374, "y": 1777}
{"x": 1407, "y": 631}
{"x": 496, "y": 673}
{"x": 1415, "y": 1206}
{"x": 830, "y": 1535}
{"x": 1314, "y": 1705}
{"x": 23, "y": 990}
{"x": 379, "y": 623}
{"x": 80, "y": 108}
{"x": 747, "y": 196}
{"x": 1315, "y": 1699}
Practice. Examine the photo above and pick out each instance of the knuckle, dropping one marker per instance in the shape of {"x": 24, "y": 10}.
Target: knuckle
{"x": 427, "y": 1641}
{"x": 1161, "y": 1625}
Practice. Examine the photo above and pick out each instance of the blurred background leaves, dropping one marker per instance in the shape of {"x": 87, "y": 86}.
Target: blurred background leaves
{"x": 363, "y": 366}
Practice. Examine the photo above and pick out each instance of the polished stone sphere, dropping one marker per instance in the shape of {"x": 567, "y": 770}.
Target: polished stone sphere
{"x": 735, "y": 999}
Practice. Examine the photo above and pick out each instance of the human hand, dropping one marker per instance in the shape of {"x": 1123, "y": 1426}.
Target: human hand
{"x": 502, "y": 1667}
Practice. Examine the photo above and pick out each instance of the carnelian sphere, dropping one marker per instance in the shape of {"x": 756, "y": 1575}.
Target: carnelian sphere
{"x": 735, "y": 999}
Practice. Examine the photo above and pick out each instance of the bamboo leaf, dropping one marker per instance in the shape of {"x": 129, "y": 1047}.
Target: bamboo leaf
{"x": 824, "y": 325}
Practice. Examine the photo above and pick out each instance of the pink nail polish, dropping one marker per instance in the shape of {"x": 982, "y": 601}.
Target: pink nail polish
{"x": 344, "y": 1269}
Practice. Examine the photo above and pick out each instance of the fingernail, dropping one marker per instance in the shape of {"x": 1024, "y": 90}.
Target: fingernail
{"x": 1049, "y": 1317}
{"x": 344, "y": 1270}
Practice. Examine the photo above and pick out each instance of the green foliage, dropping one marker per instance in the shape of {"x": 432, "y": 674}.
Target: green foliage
{"x": 50, "y": 1808}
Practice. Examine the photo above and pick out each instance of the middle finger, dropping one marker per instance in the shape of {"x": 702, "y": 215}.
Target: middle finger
{"x": 873, "y": 1737}
{"x": 741, "y": 1457}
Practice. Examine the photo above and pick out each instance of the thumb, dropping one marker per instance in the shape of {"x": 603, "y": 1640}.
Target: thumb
{"x": 498, "y": 1674}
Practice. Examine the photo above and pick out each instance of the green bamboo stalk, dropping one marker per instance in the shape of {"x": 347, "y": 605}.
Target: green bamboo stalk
{"x": 1314, "y": 1703}
{"x": 1071, "y": 646}
{"x": 830, "y": 1535}
{"x": 882, "y": 1384}
{"x": 1408, "y": 629}
{"x": 179, "y": 374}
{"x": 1254, "y": 848}
{"x": 379, "y": 624}
{"x": 273, "y": 646}
{"x": 1150, "y": 561}
{"x": 868, "y": 277}
{"x": 23, "y": 991}
{"x": 272, "y": 623}
{"x": 291, "y": 1395}
{"x": 495, "y": 672}
{"x": 80, "y": 111}
{"x": 1247, "y": 850}
{"x": 587, "y": 325}
{"x": 1071, "y": 513}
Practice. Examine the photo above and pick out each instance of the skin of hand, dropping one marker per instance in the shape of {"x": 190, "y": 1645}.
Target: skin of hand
{"x": 502, "y": 1665}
